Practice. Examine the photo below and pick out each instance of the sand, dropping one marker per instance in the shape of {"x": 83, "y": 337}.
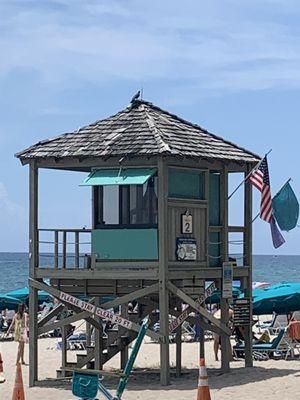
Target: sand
{"x": 272, "y": 379}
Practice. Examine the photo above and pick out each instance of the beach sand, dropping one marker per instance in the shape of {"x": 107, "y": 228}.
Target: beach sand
{"x": 273, "y": 379}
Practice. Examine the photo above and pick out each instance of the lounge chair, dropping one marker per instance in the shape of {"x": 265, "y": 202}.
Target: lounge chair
{"x": 264, "y": 350}
{"x": 277, "y": 323}
{"x": 77, "y": 341}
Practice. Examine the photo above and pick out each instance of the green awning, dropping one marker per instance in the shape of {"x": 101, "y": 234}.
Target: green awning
{"x": 122, "y": 176}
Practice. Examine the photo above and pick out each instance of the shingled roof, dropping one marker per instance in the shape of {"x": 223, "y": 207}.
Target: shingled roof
{"x": 141, "y": 129}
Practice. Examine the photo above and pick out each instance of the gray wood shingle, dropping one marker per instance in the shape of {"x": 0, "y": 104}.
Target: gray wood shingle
{"x": 141, "y": 129}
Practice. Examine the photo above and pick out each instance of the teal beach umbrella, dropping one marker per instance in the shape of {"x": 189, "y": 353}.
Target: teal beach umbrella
{"x": 280, "y": 298}
{"x": 216, "y": 296}
{"x": 9, "y": 302}
{"x": 23, "y": 295}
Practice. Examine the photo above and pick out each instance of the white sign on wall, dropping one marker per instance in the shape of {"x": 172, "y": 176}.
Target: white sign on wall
{"x": 227, "y": 280}
{"x": 186, "y": 223}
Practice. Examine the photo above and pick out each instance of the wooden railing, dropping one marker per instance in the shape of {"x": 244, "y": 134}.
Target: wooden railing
{"x": 64, "y": 248}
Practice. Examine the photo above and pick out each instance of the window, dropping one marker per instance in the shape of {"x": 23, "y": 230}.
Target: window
{"x": 186, "y": 184}
{"x": 126, "y": 205}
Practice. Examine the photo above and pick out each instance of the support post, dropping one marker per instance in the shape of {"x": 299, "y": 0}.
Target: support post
{"x": 248, "y": 262}
{"x": 124, "y": 352}
{"x": 178, "y": 342}
{"x": 88, "y": 333}
{"x": 63, "y": 349}
{"x": 33, "y": 264}
{"x": 98, "y": 340}
{"x": 163, "y": 270}
{"x": 225, "y": 340}
{"x": 201, "y": 339}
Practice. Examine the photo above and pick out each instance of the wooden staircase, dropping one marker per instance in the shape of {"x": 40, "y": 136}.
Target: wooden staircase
{"x": 114, "y": 340}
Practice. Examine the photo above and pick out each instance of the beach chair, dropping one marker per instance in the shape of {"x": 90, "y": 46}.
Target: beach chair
{"x": 277, "y": 323}
{"x": 264, "y": 350}
{"x": 77, "y": 341}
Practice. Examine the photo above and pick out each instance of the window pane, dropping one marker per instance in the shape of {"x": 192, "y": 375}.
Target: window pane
{"x": 186, "y": 184}
{"x": 111, "y": 204}
{"x": 143, "y": 203}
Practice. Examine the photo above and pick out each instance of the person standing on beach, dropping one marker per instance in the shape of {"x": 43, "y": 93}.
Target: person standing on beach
{"x": 20, "y": 327}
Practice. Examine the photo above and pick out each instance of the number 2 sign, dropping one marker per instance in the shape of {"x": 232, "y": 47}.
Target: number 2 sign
{"x": 186, "y": 223}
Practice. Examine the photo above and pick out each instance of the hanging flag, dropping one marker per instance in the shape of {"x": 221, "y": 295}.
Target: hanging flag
{"x": 277, "y": 237}
{"x": 286, "y": 208}
{"x": 261, "y": 180}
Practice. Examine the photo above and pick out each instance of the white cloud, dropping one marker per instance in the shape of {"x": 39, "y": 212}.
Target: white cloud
{"x": 216, "y": 48}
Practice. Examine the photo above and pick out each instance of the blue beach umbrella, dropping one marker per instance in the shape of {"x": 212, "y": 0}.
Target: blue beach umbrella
{"x": 9, "y": 302}
{"x": 280, "y": 298}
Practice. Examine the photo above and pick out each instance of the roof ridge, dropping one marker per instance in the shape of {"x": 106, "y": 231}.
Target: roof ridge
{"x": 158, "y": 136}
{"x": 151, "y": 105}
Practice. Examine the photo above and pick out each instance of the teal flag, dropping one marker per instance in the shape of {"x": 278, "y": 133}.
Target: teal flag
{"x": 286, "y": 208}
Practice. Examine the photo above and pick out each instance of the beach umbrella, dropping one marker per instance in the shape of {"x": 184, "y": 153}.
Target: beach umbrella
{"x": 216, "y": 296}
{"x": 9, "y": 302}
{"x": 280, "y": 298}
{"x": 23, "y": 295}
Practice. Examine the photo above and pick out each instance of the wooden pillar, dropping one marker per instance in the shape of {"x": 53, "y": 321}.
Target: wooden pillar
{"x": 163, "y": 270}
{"x": 248, "y": 262}
{"x": 33, "y": 264}
{"x": 201, "y": 339}
{"x": 88, "y": 331}
{"x": 98, "y": 339}
{"x": 63, "y": 349}
{"x": 178, "y": 341}
{"x": 124, "y": 352}
{"x": 225, "y": 340}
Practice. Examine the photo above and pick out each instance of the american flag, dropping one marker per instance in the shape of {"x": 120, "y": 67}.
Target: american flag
{"x": 260, "y": 179}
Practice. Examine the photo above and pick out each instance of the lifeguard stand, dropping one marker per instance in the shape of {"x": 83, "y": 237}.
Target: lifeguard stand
{"x": 160, "y": 231}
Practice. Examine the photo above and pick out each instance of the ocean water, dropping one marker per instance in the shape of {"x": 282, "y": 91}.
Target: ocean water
{"x": 273, "y": 269}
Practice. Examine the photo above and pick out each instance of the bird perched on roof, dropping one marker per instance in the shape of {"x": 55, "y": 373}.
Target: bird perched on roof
{"x": 135, "y": 97}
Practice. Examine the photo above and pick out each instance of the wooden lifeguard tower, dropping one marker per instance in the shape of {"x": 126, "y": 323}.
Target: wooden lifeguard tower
{"x": 159, "y": 232}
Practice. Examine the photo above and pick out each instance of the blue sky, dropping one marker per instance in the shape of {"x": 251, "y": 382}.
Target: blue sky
{"x": 231, "y": 66}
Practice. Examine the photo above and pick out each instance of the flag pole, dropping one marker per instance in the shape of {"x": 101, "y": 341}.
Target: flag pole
{"x": 250, "y": 173}
{"x": 273, "y": 197}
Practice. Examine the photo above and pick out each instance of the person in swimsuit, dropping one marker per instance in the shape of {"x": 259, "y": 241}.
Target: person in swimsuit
{"x": 20, "y": 327}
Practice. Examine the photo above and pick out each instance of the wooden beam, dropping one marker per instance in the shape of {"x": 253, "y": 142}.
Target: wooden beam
{"x": 56, "y": 293}
{"x": 178, "y": 341}
{"x": 64, "y": 359}
{"x": 131, "y": 296}
{"x": 33, "y": 264}
{"x": 186, "y": 299}
{"x": 225, "y": 340}
{"x": 98, "y": 340}
{"x": 163, "y": 269}
{"x": 248, "y": 261}
{"x": 63, "y": 322}
{"x": 124, "y": 351}
{"x": 53, "y": 313}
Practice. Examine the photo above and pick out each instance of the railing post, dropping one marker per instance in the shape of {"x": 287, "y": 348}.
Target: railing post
{"x": 64, "y": 251}
{"x": 55, "y": 249}
{"x": 77, "y": 249}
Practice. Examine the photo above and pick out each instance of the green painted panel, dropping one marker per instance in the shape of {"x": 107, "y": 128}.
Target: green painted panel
{"x": 125, "y": 244}
{"x": 186, "y": 184}
{"x": 123, "y": 176}
{"x": 214, "y": 249}
{"x": 214, "y": 199}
